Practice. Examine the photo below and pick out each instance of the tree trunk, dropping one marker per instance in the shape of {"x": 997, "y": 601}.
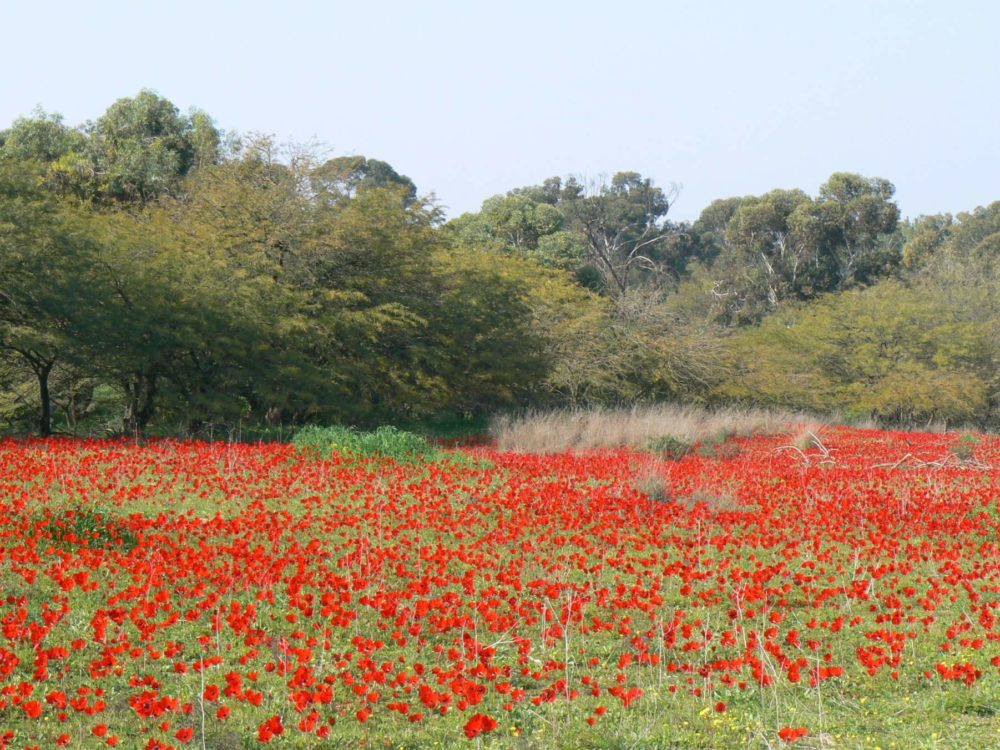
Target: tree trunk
{"x": 141, "y": 392}
{"x": 42, "y": 366}
{"x": 45, "y": 399}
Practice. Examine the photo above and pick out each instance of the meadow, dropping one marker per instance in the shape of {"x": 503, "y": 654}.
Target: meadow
{"x": 832, "y": 588}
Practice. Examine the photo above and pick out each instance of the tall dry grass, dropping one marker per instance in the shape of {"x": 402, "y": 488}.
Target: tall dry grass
{"x": 555, "y": 431}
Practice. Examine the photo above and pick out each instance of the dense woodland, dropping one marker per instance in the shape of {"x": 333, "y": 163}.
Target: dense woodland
{"x": 159, "y": 274}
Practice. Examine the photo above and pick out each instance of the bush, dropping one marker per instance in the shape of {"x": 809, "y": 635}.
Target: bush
{"x": 901, "y": 355}
{"x": 669, "y": 446}
{"x": 965, "y": 447}
{"x": 387, "y": 442}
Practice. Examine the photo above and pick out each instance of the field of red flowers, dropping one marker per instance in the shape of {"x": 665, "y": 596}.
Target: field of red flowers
{"x": 213, "y": 595}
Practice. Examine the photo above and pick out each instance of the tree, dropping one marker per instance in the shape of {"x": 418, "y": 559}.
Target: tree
{"x": 348, "y": 279}
{"x": 852, "y": 219}
{"x": 42, "y": 138}
{"x": 923, "y": 238}
{"x": 765, "y": 258}
{"x": 518, "y": 223}
{"x": 343, "y": 176}
{"x": 48, "y": 253}
{"x": 39, "y": 285}
{"x": 624, "y": 230}
{"x": 486, "y": 337}
{"x": 708, "y": 233}
{"x": 614, "y": 236}
{"x": 784, "y": 245}
{"x": 960, "y": 246}
{"x": 142, "y": 147}
{"x": 888, "y": 351}
{"x": 178, "y": 328}
{"x": 957, "y": 259}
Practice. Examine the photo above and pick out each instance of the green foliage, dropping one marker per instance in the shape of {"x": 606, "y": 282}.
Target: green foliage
{"x": 42, "y": 263}
{"x": 785, "y": 245}
{"x": 854, "y": 214}
{"x": 612, "y": 234}
{"x": 384, "y": 442}
{"x": 142, "y": 146}
{"x": 633, "y": 348}
{"x": 18, "y": 392}
{"x": 486, "y": 322}
{"x": 342, "y": 177}
{"x": 151, "y": 279}
{"x": 83, "y": 527}
{"x": 42, "y": 138}
{"x": 669, "y": 446}
{"x": 889, "y": 352}
{"x": 923, "y": 238}
{"x": 517, "y": 222}
{"x": 965, "y": 446}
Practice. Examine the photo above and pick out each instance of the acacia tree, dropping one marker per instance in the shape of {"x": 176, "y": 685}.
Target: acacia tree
{"x": 177, "y": 330}
{"x": 341, "y": 269}
{"x": 41, "y": 289}
{"x": 954, "y": 259}
{"x": 888, "y": 351}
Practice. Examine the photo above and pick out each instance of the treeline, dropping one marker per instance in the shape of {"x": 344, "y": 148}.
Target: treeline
{"x": 156, "y": 273}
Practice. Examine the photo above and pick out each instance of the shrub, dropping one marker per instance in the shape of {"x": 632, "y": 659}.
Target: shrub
{"x": 669, "y": 446}
{"x": 386, "y": 441}
{"x": 965, "y": 447}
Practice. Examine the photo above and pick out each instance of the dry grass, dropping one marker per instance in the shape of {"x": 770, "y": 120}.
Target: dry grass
{"x": 652, "y": 478}
{"x": 809, "y": 436}
{"x": 556, "y": 431}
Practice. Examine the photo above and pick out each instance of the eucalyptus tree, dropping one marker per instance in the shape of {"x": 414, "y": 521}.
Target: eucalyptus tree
{"x": 785, "y": 245}
{"x": 142, "y": 147}
{"x": 343, "y": 176}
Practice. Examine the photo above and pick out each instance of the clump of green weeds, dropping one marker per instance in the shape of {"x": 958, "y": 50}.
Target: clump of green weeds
{"x": 82, "y": 527}
{"x": 965, "y": 447}
{"x": 388, "y": 442}
{"x": 669, "y": 446}
{"x": 385, "y": 442}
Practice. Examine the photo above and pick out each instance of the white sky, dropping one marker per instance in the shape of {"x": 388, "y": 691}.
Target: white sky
{"x": 725, "y": 97}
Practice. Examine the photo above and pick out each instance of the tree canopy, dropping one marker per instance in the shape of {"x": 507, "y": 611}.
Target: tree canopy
{"x": 159, "y": 273}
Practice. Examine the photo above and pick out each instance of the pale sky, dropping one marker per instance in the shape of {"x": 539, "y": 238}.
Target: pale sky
{"x": 471, "y": 99}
